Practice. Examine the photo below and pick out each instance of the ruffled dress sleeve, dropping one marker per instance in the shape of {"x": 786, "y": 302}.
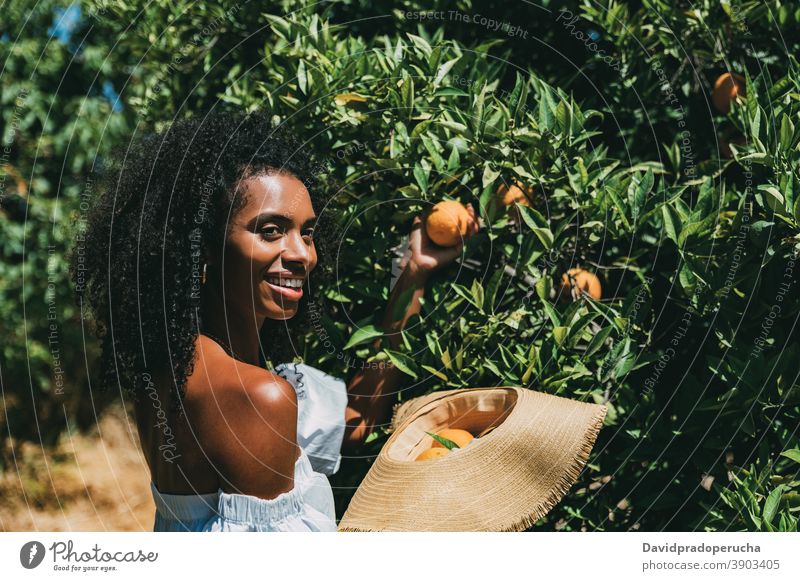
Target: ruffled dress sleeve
{"x": 321, "y": 405}
{"x": 308, "y": 507}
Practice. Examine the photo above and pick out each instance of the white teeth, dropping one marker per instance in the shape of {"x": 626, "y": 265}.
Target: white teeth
{"x": 287, "y": 282}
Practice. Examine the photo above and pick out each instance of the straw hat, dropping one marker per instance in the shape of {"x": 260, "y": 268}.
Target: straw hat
{"x": 504, "y": 480}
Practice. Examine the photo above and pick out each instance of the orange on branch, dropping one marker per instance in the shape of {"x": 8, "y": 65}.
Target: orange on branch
{"x": 516, "y": 193}
{"x": 447, "y": 223}
{"x": 432, "y": 453}
{"x": 577, "y": 280}
{"x": 727, "y": 87}
{"x": 460, "y": 437}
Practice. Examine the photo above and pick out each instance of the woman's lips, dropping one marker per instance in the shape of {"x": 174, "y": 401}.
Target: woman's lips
{"x": 293, "y": 294}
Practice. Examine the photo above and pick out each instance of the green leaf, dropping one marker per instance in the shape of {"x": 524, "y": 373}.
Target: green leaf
{"x": 433, "y": 346}
{"x": 576, "y": 329}
{"x": 693, "y": 229}
{"x": 364, "y": 334}
{"x": 612, "y": 193}
{"x": 625, "y": 362}
{"x": 454, "y": 161}
{"x": 551, "y": 313}
{"x": 407, "y": 91}
{"x": 642, "y": 189}
{"x": 672, "y": 222}
{"x": 492, "y": 366}
{"x": 546, "y": 117}
{"x": 489, "y": 176}
{"x": 421, "y": 44}
{"x": 449, "y": 444}
{"x": 399, "y": 48}
{"x": 476, "y": 116}
{"x": 454, "y": 126}
{"x": 543, "y": 233}
{"x": 597, "y": 341}
{"x": 446, "y": 360}
{"x": 542, "y": 287}
{"x": 793, "y": 454}
{"x": 433, "y": 151}
{"x": 435, "y": 58}
{"x": 337, "y": 296}
{"x": 563, "y": 117}
{"x": 420, "y": 127}
{"x": 492, "y": 287}
{"x": 787, "y": 132}
{"x": 279, "y": 25}
{"x": 773, "y": 199}
{"x": 773, "y": 501}
{"x": 450, "y": 92}
{"x": 443, "y": 70}
{"x": 403, "y": 362}
{"x": 487, "y": 209}
{"x": 462, "y": 291}
{"x": 477, "y": 293}
{"x": 435, "y": 372}
{"x": 421, "y": 176}
{"x": 519, "y": 97}
{"x": 387, "y": 163}
{"x": 528, "y": 372}
{"x": 687, "y": 278}
{"x": 560, "y": 333}
{"x": 534, "y": 218}
{"x": 302, "y": 78}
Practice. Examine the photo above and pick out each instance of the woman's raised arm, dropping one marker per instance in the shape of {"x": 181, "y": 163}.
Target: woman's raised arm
{"x": 371, "y": 390}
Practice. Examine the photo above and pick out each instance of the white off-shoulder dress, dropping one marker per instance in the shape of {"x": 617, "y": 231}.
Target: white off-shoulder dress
{"x": 321, "y": 403}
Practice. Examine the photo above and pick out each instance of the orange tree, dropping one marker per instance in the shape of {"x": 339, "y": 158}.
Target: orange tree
{"x": 603, "y": 110}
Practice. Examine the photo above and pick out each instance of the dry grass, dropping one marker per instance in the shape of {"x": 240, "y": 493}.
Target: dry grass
{"x": 92, "y": 482}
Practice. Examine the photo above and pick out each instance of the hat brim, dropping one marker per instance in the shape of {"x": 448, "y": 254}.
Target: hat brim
{"x": 504, "y": 481}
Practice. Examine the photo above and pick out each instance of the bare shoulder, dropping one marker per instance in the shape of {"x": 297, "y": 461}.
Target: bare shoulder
{"x": 245, "y": 418}
{"x": 219, "y": 380}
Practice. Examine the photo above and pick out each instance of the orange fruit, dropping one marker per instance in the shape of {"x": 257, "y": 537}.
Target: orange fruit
{"x": 447, "y": 223}
{"x": 432, "y": 453}
{"x": 583, "y": 281}
{"x": 514, "y": 194}
{"x": 726, "y": 88}
{"x": 460, "y": 437}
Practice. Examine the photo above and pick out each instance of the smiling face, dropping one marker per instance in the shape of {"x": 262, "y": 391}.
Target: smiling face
{"x": 269, "y": 251}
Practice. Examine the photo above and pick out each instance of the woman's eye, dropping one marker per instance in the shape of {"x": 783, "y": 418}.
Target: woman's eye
{"x": 270, "y": 231}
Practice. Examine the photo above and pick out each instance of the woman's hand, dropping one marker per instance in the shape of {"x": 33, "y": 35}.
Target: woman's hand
{"x": 427, "y": 256}
{"x": 371, "y": 391}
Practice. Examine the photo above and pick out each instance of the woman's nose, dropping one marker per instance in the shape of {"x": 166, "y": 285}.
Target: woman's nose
{"x": 297, "y": 249}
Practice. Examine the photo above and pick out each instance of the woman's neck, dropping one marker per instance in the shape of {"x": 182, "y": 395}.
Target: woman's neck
{"x": 238, "y": 332}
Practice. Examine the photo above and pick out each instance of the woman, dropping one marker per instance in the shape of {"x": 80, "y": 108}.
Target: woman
{"x": 195, "y": 261}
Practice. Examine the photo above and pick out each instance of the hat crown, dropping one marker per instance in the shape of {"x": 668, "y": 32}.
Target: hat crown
{"x": 473, "y": 410}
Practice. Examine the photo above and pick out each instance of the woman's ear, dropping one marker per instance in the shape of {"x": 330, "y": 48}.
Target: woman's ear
{"x": 212, "y": 256}
{"x": 208, "y": 267}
